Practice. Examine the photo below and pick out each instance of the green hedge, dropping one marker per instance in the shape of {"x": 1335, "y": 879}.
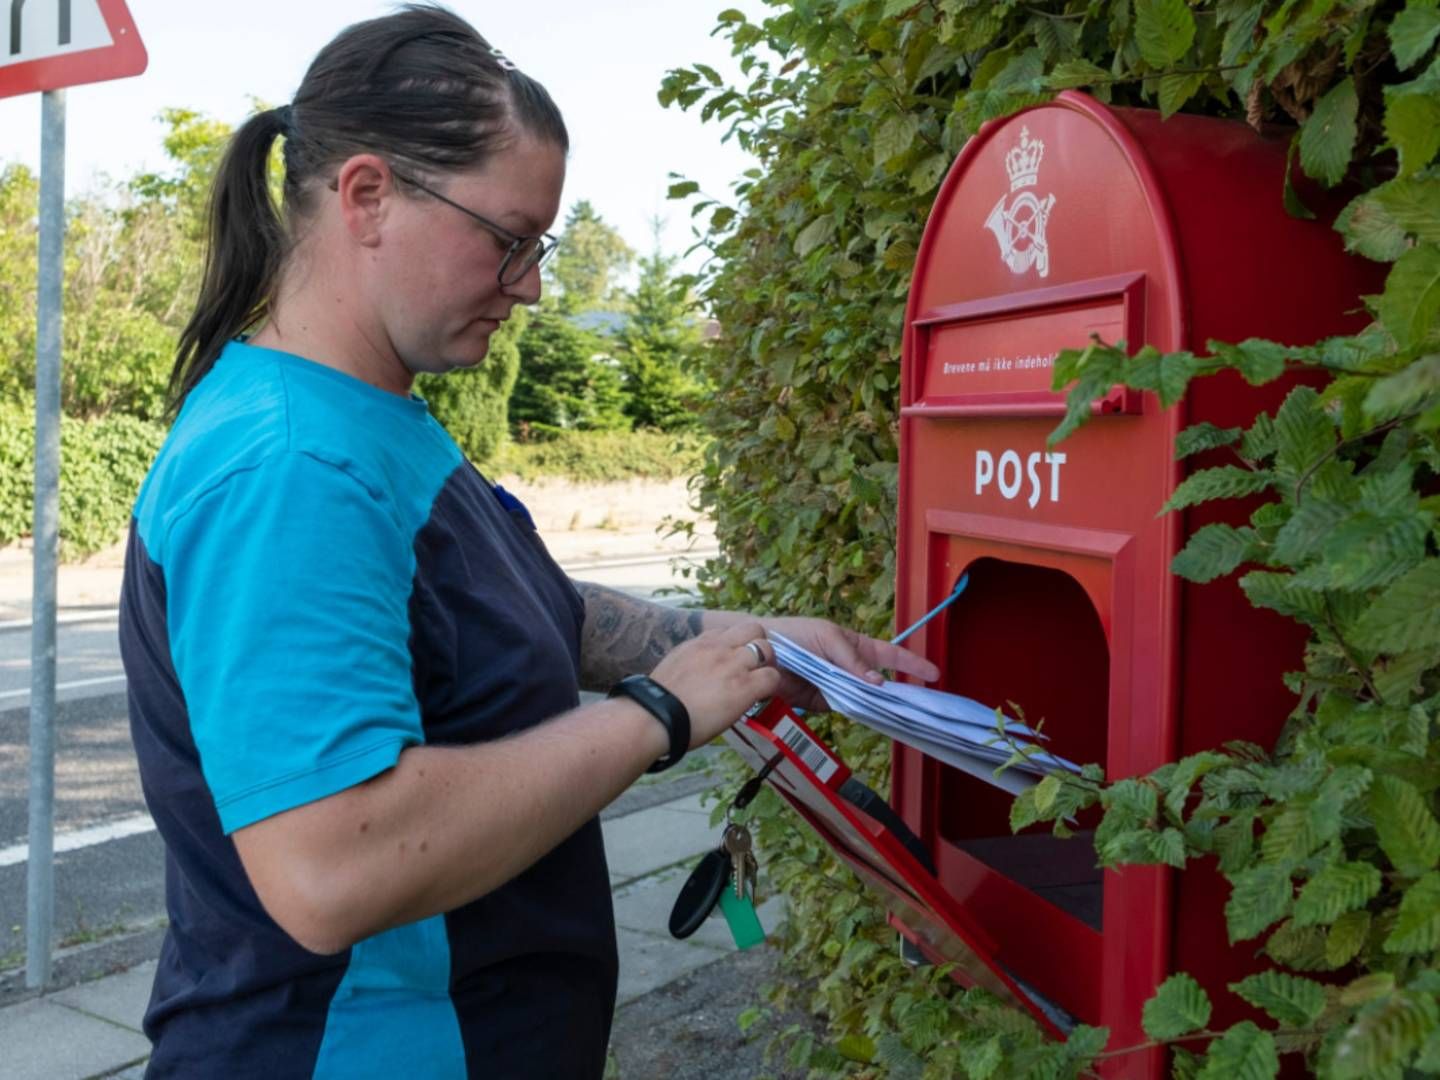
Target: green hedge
{"x": 602, "y": 457}
{"x": 102, "y": 464}
{"x": 473, "y": 405}
{"x": 104, "y": 461}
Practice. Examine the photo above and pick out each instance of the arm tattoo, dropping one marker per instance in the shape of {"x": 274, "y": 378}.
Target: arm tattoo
{"x": 624, "y": 635}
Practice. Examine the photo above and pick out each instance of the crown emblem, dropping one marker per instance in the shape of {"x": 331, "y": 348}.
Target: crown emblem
{"x": 1023, "y": 161}
{"x": 1020, "y": 217}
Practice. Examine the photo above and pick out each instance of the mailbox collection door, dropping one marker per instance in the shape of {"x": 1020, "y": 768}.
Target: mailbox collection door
{"x": 1068, "y": 220}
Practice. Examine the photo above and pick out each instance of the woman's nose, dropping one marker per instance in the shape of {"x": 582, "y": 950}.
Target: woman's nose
{"x": 527, "y": 289}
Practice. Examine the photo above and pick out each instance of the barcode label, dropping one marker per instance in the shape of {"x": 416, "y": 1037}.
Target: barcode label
{"x": 810, "y": 752}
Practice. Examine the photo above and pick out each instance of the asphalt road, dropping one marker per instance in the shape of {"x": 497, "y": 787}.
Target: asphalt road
{"x": 109, "y": 866}
{"x": 110, "y": 883}
{"x": 87, "y": 662}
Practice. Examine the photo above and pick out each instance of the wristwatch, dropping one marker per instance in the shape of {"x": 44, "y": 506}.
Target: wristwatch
{"x": 665, "y": 707}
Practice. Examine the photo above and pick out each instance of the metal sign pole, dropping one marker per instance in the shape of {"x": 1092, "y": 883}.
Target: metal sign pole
{"x": 40, "y": 869}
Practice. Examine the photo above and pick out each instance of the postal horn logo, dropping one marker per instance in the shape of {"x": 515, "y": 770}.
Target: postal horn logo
{"x": 1020, "y": 226}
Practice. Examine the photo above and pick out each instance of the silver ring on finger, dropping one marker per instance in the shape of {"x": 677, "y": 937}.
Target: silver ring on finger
{"x": 754, "y": 647}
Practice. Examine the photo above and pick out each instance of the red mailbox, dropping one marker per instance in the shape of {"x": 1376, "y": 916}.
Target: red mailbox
{"x": 1068, "y": 220}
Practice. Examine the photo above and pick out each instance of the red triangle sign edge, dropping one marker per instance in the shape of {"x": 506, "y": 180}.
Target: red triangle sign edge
{"x": 125, "y": 56}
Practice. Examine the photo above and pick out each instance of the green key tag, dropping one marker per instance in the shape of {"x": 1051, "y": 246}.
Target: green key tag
{"x": 740, "y": 914}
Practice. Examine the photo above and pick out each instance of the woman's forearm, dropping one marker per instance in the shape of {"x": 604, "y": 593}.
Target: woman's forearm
{"x": 624, "y": 635}
{"x": 445, "y": 826}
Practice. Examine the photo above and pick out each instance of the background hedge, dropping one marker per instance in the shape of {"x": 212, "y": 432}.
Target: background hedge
{"x": 103, "y": 462}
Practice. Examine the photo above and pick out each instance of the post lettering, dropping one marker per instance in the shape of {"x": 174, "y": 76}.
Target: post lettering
{"x": 1054, "y": 461}
{"x": 1010, "y": 476}
{"x": 1012, "y": 460}
{"x": 984, "y": 469}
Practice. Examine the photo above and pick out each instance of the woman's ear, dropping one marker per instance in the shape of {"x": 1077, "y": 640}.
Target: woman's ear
{"x": 366, "y": 187}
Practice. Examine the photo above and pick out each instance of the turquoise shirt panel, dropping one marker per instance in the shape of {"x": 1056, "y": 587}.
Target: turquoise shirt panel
{"x": 288, "y": 610}
{"x": 392, "y": 1014}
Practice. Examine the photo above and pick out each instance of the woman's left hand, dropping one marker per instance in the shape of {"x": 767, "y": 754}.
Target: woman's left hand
{"x": 853, "y": 652}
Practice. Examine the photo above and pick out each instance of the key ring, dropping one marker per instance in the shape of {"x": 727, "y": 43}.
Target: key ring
{"x": 748, "y": 790}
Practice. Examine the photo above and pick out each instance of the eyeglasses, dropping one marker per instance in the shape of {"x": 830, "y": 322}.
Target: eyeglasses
{"x": 524, "y": 253}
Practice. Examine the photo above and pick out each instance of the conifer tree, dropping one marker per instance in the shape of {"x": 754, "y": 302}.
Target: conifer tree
{"x": 659, "y": 346}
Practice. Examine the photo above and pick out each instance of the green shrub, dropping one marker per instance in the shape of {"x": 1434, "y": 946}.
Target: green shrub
{"x": 473, "y": 405}
{"x": 17, "y": 469}
{"x": 599, "y": 457}
{"x": 131, "y": 269}
{"x": 1330, "y": 841}
{"x": 102, "y": 464}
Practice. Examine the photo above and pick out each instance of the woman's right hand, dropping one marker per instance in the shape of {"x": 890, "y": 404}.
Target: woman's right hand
{"x": 717, "y": 677}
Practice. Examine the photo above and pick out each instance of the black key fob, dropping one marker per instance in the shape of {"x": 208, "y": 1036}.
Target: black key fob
{"x": 700, "y": 893}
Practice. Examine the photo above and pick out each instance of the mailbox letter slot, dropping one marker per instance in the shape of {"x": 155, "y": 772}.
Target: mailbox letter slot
{"x": 997, "y": 652}
{"x": 997, "y": 356}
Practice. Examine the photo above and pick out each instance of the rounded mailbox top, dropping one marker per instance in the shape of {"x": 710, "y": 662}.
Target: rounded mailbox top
{"x": 1051, "y": 227}
{"x": 1072, "y": 219}
{"x": 1058, "y": 194}
{"x": 1053, "y": 195}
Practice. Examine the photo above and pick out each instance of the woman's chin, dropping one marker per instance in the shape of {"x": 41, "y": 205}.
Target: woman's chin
{"x": 469, "y": 350}
{"x": 464, "y": 361}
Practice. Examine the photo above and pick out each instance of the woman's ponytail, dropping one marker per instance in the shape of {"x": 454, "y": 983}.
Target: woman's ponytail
{"x": 245, "y": 246}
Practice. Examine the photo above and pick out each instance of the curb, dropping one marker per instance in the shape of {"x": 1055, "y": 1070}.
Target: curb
{"x": 85, "y": 963}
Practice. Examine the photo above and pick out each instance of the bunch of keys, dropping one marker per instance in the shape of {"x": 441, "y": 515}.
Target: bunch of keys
{"x": 725, "y": 876}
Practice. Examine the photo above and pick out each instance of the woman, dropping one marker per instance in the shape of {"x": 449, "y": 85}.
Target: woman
{"x": 354, "y": 670}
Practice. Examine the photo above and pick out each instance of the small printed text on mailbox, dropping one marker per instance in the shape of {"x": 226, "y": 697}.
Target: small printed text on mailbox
{"x": 999, "y": 363}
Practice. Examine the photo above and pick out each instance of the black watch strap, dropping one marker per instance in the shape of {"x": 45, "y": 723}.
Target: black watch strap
{"x": 665, "y": 707}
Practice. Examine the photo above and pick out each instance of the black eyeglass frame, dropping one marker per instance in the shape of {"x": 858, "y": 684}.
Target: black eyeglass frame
{"x": 545, "y": 241}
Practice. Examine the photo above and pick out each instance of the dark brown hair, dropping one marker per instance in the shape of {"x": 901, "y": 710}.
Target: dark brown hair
{"x": 421, "y": 87}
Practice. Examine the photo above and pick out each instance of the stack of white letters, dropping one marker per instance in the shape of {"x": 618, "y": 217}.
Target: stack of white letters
{"x": 953, "y": 729}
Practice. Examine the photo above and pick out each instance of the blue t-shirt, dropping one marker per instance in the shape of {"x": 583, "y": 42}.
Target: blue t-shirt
{"x": 317, "y": 579}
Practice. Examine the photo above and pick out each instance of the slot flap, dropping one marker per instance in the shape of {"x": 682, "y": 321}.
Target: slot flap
{"x": 813, "y": 780}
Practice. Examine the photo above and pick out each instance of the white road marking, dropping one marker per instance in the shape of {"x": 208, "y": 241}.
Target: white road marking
{"x": 623, "y": 561}
{"x": 69, "y": 618}
{"x": 75, "y": 839}
{"x": 73, "y": 684}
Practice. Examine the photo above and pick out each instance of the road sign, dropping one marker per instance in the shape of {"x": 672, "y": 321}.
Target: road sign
{"x": 49, "y": 44}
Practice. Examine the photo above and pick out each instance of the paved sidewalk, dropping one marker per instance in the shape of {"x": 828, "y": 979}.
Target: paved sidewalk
{"x": 93, "y": 1029}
